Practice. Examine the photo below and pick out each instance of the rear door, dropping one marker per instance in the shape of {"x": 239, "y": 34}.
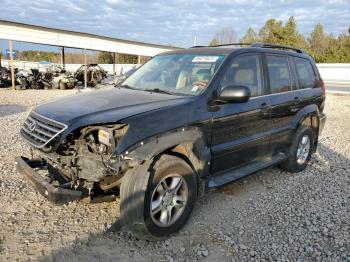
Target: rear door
{"x": 284, "y": 99}
{"x": 241, "y": 130}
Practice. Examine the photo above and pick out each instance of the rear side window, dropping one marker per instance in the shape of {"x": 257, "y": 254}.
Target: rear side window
{"x": 279, "y": 74}
{"x": 305, "y": 72}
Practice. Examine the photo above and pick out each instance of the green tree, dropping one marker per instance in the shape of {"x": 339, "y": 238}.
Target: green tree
{"x": 127, "y": 59}
{"x": 105, "y": 58}
{"x": 318, "y": 42}
{"x": 37, "y": 56}
{"x": 272, "y": 32}
{"x": 341, "y": 49}
{"x": 276, "y": 33}
{"x": 250, "y": 37}
{"x": 213, "y": 42}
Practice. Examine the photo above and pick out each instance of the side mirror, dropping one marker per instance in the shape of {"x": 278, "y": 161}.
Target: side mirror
{"x": 235, "y": 94}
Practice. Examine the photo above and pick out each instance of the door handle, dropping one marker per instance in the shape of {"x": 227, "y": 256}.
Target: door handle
{"x": 264, "y": 110}
{"x": 264, "y": 106}
{"x": 297, "y": 100}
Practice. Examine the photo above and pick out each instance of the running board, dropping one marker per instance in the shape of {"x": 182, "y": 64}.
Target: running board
{"x": 218, "y": 180}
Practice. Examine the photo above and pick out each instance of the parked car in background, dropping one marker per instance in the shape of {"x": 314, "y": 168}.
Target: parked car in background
{"x": 33, "y": 79}
{"x": 22, "y": 78}
{"x": 61, "y": 79}
{"x": 4, "y": 77}
{"x": 186, "y": 122}
{"x": 95, "y": 74}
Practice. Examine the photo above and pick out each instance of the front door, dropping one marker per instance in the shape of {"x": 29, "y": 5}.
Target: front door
{"x": 241, "y": 130}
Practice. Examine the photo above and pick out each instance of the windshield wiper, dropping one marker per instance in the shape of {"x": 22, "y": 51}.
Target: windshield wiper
{"x": 126, "y": 86}
{"x": 161, "y": 91}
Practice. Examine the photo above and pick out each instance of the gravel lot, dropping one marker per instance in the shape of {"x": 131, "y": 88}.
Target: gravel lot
{"x": 272, "y": 215}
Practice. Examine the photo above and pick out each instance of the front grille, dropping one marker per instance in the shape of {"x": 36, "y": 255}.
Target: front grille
{"x": 38, "y": 130}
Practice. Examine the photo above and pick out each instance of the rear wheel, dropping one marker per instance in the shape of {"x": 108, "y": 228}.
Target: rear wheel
{"x": 157, "y": 200}
{"x": 301, "y": 150}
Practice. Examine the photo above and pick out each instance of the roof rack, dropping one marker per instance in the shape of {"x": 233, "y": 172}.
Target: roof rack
{"x": 232, "y": 44}
{"x": 283, "y": 47}
{"x": 198, "y": 46}
{"x": 260, "y": 45}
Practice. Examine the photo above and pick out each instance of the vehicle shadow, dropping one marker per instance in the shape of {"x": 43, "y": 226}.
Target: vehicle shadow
{"x": 7, "y": 110}
{"x": 102, "y": 246}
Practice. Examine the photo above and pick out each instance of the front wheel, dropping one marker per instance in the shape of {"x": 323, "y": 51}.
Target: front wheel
{"x": 300, "y": 151}
{"x": 157, "y": 200}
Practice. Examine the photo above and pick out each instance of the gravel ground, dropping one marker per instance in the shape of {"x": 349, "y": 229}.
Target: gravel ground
{"x": 272, "y": 215}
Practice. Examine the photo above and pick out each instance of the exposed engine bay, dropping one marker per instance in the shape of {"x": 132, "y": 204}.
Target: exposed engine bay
{"x": 86, "y": 161}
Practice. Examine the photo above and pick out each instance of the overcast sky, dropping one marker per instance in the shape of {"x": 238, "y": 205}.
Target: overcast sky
{"x": 173, "y": 22}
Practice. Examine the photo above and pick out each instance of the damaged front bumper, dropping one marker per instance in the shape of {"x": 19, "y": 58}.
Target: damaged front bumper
{"x": 56, "y": 195}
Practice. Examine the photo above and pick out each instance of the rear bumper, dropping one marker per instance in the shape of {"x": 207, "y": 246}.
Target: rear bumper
{"x": 322, "y": 123}
{"x": 55, "y": 195}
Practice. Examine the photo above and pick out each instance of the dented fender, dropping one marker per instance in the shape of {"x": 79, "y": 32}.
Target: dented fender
{"x": 191, "y": 140}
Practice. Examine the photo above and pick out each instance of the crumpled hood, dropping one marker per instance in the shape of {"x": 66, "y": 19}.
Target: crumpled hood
{"x": 104, "y": 106}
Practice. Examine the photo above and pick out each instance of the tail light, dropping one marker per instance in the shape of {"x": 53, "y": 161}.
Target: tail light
{"x": 323, "y": 88}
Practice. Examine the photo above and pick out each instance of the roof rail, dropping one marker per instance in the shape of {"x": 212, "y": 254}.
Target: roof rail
{"x": 232, "y": 44}
{"x": 198, "y": 46}
{"x": 260, "y": 45}
{"x": 283, "y": 47}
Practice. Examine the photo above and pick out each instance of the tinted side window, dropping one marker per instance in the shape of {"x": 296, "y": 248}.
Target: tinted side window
{"x": 305, "y": 72}
{"x": 244, "y": 70}
{"x": 279, "y": 74}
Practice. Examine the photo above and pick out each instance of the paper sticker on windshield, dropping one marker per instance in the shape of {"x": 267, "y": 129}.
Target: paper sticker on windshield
{"x": 205, "y": 59}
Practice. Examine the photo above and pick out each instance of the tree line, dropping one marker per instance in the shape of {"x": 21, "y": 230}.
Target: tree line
{"x": 76, "y": 58}
{"x": 323, "y": 47}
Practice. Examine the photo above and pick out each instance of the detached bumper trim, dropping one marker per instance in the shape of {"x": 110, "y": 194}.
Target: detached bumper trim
{"x": 55, "y": 195}
{"x": 322, "y": 120}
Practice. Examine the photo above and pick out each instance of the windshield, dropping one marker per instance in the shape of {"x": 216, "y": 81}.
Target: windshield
{"x": 181, "y": 74}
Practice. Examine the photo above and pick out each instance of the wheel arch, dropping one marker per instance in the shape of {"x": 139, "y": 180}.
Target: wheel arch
{"x": 186, "y": 143}
{"x": 309, "y": 116}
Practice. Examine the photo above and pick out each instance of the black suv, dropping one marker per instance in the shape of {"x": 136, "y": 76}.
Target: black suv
{"x": 185, "y": 122}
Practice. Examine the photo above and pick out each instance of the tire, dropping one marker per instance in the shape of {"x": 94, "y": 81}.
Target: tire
{"x": 143, "y": 185}
{"x": 62, "y": 85}
{"x": 294, "y": 163}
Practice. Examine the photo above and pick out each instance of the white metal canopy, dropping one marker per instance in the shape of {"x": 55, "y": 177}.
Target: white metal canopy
{"x": 57, "y": 37}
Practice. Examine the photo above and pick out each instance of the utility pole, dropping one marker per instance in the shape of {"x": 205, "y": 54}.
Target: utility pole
{"x": 63, "y": 60}
{"x": 85, "y": 69}
{"x": 114, "y": 64}
{"x": 12, "y": 69}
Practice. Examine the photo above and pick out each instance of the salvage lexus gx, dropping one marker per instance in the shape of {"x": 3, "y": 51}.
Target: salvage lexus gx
{"x": 185, "y": 122}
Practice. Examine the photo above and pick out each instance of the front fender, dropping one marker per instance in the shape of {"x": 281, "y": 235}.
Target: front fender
{"x": 157, "y": 144}
{"x": 190, "y": 139}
